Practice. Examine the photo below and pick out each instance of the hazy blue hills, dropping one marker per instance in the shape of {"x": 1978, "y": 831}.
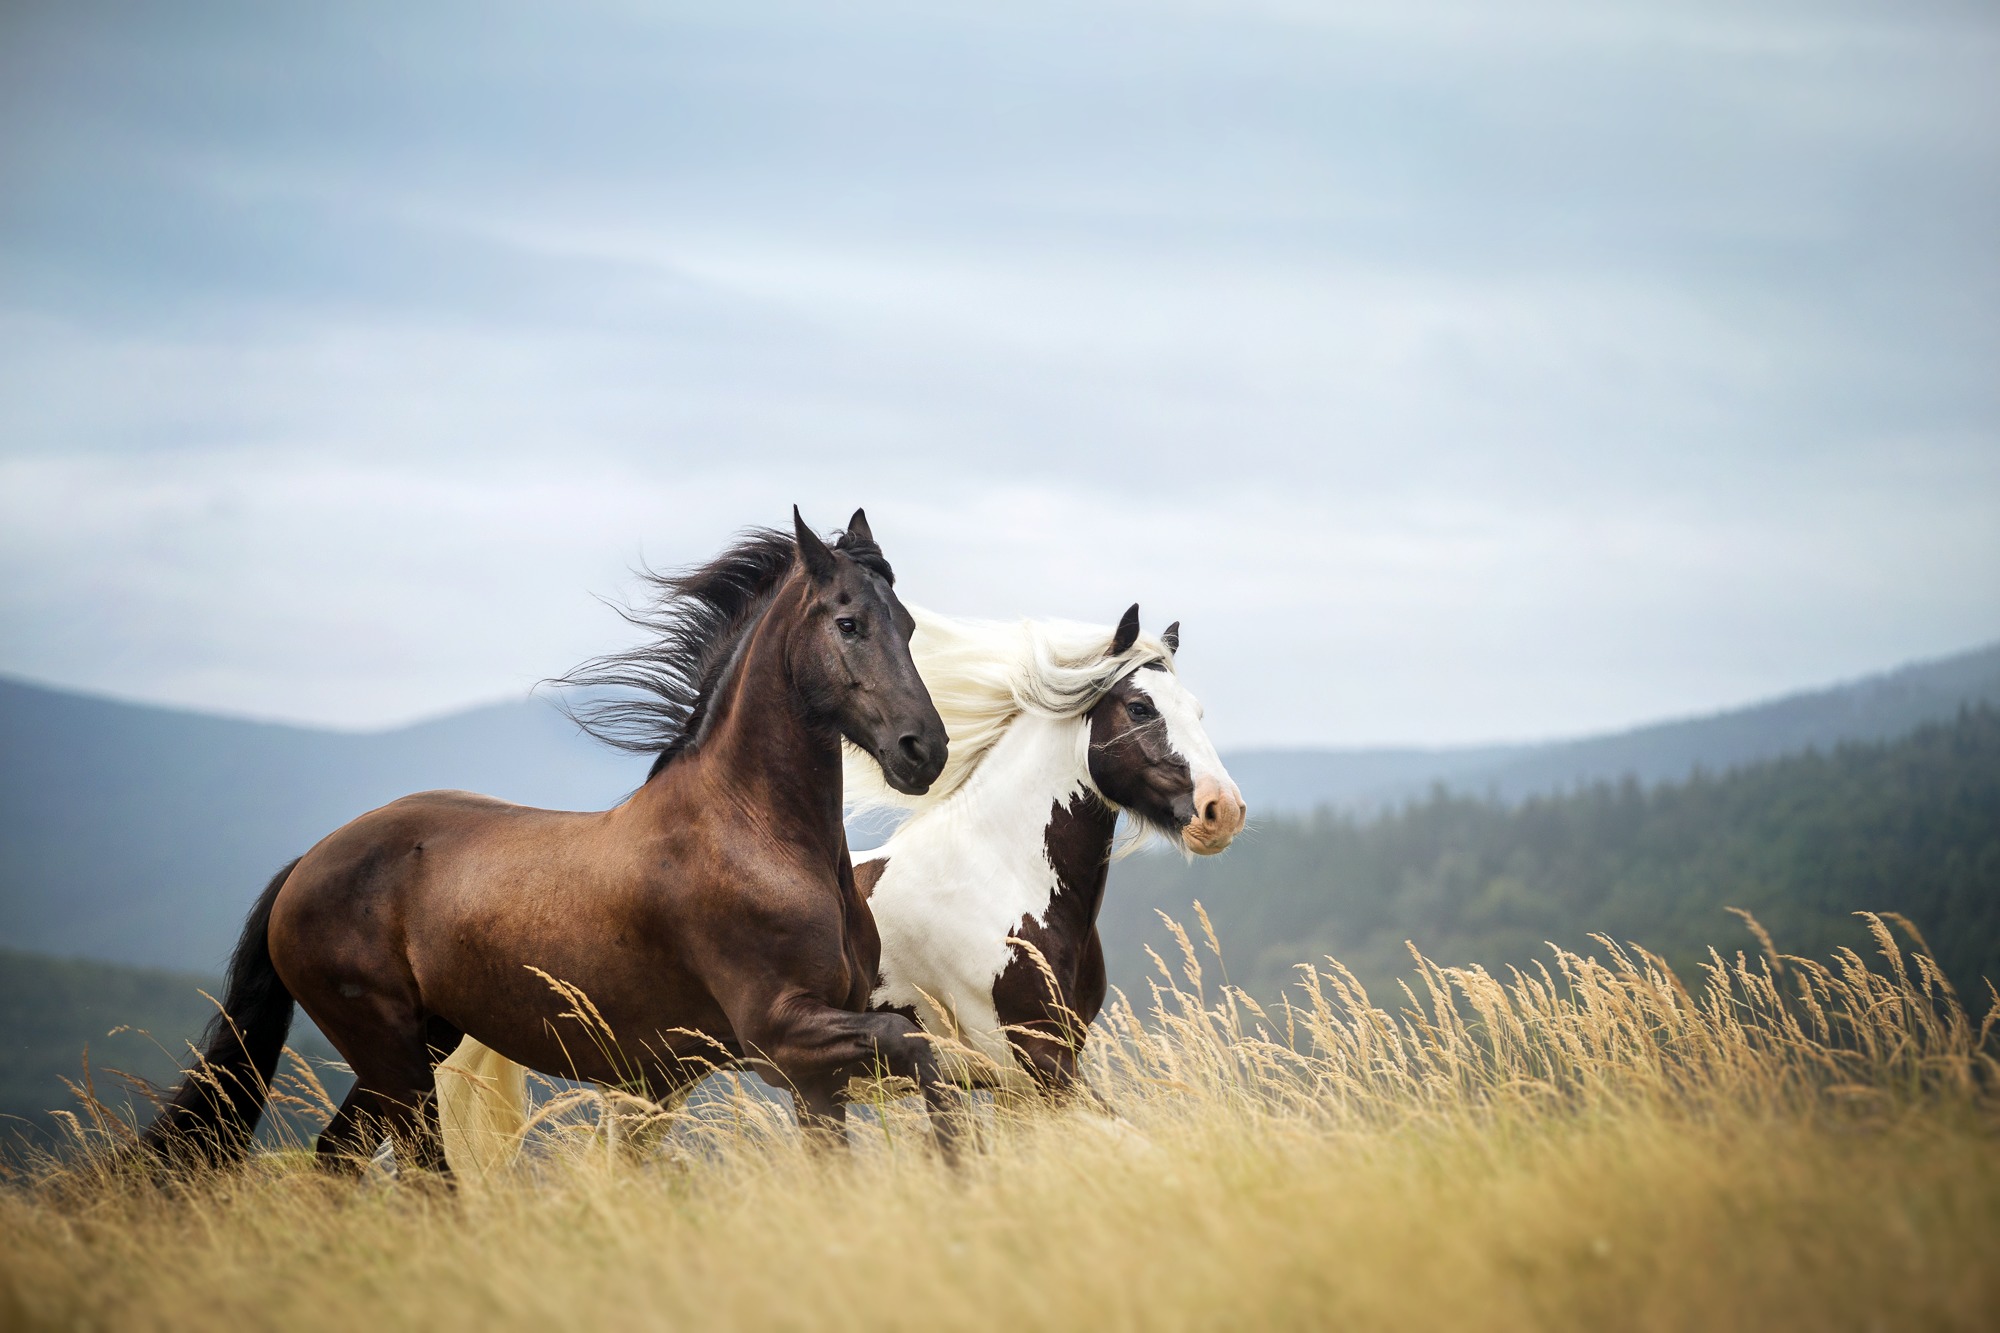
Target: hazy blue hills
{"x": 140, "y": 834}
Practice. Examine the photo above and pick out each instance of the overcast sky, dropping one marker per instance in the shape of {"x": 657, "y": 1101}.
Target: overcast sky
{"x": 1452, "y": 371}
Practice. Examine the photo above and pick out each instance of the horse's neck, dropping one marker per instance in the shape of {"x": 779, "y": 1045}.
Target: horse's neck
{"x": 758, "y": 744}
{"x": 1031, "y": 803}
{"x": 1038, "y": 762}
{"x": 1078, "y": 842}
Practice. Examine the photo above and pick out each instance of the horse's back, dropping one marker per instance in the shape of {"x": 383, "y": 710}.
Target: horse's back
{"x": 422, "y": 864}
{"x": 393, "y": 840}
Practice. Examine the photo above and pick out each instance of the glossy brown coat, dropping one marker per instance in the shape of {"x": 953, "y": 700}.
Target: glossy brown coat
{"x": 711, "y": 918}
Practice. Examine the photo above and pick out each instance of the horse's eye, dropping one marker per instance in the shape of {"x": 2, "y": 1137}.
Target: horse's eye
{"x": 846, "y": 626}
{"x": 1141, "y": 710}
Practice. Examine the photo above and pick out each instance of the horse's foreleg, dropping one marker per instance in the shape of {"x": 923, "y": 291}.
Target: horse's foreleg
{"x": 818, "y": 1053}
{"x": 822, "y": 1117}
{"x": 1060, "y": 1085}
{"x": 898, "y": 1047}
{"x": 1046, "y": 1053}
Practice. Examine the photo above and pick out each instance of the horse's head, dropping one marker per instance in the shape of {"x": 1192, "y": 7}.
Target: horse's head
{"x": 1150, "y": 755}
{"x": 850, "y": 656}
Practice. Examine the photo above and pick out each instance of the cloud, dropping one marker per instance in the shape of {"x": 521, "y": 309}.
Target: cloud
{"x": 1451, "y": 372}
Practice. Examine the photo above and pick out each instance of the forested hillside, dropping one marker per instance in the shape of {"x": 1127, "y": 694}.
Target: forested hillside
{"x": 1910, "y": 826}
{"x": 135, "y": 1019}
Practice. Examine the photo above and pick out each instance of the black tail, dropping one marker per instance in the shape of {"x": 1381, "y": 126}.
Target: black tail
{"x": 216, "y": 1109}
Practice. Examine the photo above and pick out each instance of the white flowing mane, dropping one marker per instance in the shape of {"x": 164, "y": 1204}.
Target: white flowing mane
{"x": 982, "y": 674}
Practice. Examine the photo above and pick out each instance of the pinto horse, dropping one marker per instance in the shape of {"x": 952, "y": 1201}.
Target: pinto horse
{"x": 713, "y": 913}
{"x": 1055, "y": 730}
{"x": 986, "y": 899}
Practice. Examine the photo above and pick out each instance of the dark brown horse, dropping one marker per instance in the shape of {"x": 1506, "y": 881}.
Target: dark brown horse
{"x": 711, "y": 917}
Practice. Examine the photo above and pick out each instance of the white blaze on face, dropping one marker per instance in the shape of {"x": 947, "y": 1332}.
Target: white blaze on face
{"x": 1218, "y": 806}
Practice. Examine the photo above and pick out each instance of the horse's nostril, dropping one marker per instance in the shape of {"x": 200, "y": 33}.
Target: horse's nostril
{"x": 1209, "y": 812}
{"x": 913, "y": 748}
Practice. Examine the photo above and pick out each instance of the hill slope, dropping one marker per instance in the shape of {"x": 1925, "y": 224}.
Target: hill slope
{"x": 141, "y": 834}
{"x": 55, "y": 1010}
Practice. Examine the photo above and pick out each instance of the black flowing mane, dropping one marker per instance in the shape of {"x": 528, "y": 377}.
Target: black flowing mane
{"x": 697, "y": 616}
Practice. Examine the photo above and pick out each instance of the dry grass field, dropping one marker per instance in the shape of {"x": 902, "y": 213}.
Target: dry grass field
{"x": 1785, "y": 1143}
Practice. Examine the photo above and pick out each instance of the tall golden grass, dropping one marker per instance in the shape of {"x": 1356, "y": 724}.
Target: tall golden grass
{"x": 1777, "y": 1142}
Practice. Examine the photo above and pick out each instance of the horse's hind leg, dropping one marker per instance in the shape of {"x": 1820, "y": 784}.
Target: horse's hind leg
{"x": 349, "y": 1139}
{"x": 407, "y": 1117}
{"x": 426, "y": 1136}
{"x": 394, "y": 1094}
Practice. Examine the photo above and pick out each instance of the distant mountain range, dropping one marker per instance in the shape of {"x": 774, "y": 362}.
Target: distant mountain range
{"x": 139, "y": 834}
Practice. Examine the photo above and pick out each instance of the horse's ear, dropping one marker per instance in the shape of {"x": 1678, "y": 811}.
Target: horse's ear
{"x": 857, "y": 528}
{"x": 1127, "y": 632}
{"x": 818, "y": 559}
{"x": 1171, "y": 636}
